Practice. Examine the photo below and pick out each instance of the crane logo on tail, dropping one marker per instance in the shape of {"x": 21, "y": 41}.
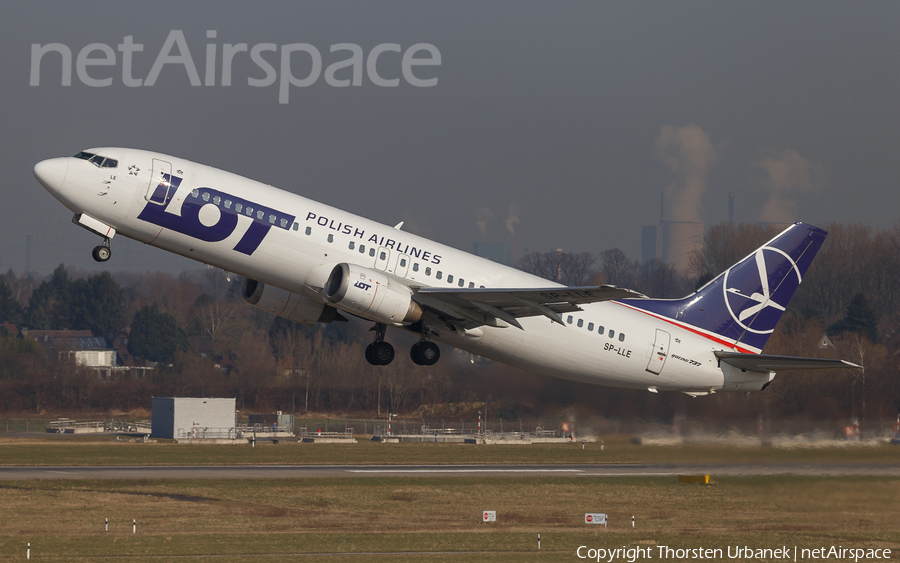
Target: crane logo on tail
{"x": 758, "y": 289}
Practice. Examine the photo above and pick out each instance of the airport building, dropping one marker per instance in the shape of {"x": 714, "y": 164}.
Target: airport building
{"x": 188, "y": 417}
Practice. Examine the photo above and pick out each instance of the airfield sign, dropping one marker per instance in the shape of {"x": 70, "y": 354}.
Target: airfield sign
{"x": 489, "y": 515}
{"x": 594, "y": 518}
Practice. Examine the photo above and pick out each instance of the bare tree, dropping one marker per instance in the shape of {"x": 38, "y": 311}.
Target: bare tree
{"x": 618, "y": 268}
{"x": 566, "y": 268}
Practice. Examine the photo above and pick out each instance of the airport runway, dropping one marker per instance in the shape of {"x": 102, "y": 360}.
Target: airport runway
{"x": 333, "y": 471}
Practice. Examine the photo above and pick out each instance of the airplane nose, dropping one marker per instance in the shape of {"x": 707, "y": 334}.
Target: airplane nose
{"x": 51, "y": 173}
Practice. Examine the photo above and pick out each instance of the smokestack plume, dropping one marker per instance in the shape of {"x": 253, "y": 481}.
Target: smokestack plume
{"x": 687, "y": 152}
{"x": 789, "y": 175}
{"x": 482, "y": 216}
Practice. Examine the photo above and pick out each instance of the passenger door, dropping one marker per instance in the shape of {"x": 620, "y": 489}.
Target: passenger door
{"x": 660, "y": 352}
{"x": 160, "y": 182}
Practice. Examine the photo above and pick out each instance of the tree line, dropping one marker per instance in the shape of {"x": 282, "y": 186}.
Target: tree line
{"x": 204, "y": 340}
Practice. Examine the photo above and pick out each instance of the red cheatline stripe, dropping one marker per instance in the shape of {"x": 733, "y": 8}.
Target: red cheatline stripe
{"x": 689, "y": 328}
{"x": 157, "y": 236}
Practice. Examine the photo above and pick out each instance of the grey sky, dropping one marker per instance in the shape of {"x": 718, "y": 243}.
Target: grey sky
{"x": 554, "y": 113}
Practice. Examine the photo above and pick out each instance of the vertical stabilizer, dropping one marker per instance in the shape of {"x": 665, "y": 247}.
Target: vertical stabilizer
{"x": 741, "y": 307}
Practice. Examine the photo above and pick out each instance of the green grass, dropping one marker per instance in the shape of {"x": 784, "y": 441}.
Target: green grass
{"x": 58, "y": 450}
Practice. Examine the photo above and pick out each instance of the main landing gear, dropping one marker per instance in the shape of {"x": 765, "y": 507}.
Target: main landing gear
{"x": 103, "y": 252}
{"x": 381, "y": 353}
{"x": 425, "y": 353}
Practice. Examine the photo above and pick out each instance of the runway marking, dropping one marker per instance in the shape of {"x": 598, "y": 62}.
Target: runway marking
{"x": 628, "y": 474}
{"x": 464, "y": 471}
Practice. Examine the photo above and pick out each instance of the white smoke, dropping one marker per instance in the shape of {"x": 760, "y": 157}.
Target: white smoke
{"x": 688, "y": 152}
{"x": 512, "y": 218}
{"x": 789, "y": 175}
{"x": 482, "y": 217}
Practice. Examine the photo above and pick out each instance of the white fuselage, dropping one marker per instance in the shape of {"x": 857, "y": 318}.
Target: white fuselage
{"x": 302, "y": 254}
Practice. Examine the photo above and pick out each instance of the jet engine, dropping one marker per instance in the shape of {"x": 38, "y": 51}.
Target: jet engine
{"x": 371, "y": 294}
{"x": 288, "y": 305}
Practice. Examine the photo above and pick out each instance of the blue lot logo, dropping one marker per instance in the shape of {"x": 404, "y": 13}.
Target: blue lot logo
{"x": 756, "y": 288}
{"x": 211, "y": 215}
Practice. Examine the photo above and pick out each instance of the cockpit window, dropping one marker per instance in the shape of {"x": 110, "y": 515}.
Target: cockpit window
{"x": 98, "y": 160}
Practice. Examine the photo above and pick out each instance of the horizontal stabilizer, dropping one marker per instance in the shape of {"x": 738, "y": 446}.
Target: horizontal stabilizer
{"x": 765, "y": 364}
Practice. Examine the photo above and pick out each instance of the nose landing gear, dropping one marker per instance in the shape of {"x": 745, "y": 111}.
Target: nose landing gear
{"x": 103, "y": 252}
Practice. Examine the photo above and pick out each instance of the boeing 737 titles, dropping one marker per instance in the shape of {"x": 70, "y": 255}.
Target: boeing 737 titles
{"x": 310, "y": 263}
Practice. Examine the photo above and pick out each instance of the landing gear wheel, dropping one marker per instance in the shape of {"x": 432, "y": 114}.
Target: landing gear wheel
{"x": 382, "y": 353}
{"x": 369, "y": 357}
{"x": 414, "y": 354}
{"x": 101, "y": 253}
{"x": 427, "y": 353}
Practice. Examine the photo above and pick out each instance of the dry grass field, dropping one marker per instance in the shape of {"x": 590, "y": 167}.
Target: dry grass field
{"x": 431, "y": 518}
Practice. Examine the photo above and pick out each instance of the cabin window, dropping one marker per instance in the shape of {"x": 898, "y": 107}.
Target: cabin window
{"x": 621, "y": 337}
{"x": 371, "y": 252}
{"x": 228, "y": 205}
{"x": 403, "y": 262}
{"x": 195, "y": 193}
{"x": 352, "y": 245}
{"x": 260, "y": 214}
{"x": 482, "y": 287}
{"x": 330, "y": 237}
{"x": 272, "y": 219}
{"x": 601, "y": 330}
{"x": 462, "y": 282}
{"x": 612, "y": 333}
{"x": 450, "y": 278}
{"x": 439, "y": 275}
{"x": 309, "y": 230}
{"x": 362, "y": 249}
{"x": 205, "y": 196}
{"x": 283, "y": 223}
{"x": 580, "y": 323}
{"x": 591, "y": 327}
{"x": 427, "y": 271}
{"x": 471, "y": 285}
{"x": 238, "y": 207}
{"x": 296, "y": 226}
{"x": 216, "y": 200}
{"x": 569, "y": 320}
{"x": 415, "y": 267}
{"x": 248, "y": 211}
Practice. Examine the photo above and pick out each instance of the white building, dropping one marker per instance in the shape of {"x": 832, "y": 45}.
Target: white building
{"x": 185, "y": 417}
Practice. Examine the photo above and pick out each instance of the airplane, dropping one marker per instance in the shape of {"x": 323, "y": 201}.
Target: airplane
{"x": 312, "y": 263}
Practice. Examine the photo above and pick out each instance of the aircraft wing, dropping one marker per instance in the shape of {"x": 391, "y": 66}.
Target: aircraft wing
{"x": 765, "y": 364}
{"x": 501, "y": 307}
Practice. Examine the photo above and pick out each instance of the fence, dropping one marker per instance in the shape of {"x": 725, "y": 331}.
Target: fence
{"x": 206, "y": 433}
{"x": 347, "y": 434}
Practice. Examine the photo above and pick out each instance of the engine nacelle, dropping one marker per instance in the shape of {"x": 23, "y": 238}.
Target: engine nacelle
{"x": 286, "y": 304}
{"x": 371, "y": 294}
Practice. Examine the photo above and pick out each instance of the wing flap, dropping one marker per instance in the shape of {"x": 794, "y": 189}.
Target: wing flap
{"x": 766, "y": 363}
{"x": 501, "y": 307}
